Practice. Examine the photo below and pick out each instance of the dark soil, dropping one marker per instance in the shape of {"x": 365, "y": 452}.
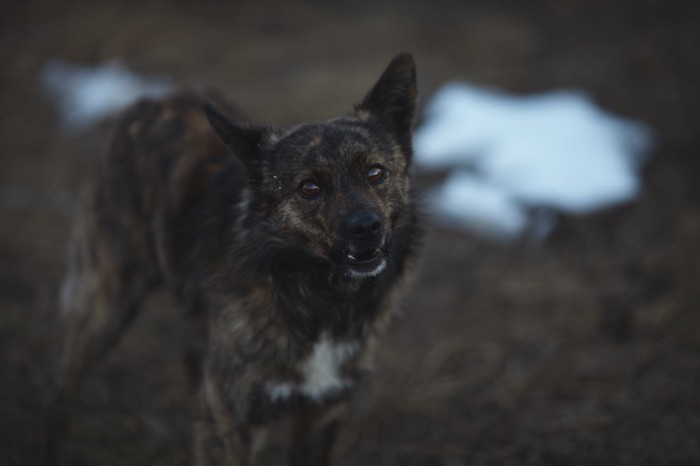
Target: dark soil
{"x": 582, "y": 349}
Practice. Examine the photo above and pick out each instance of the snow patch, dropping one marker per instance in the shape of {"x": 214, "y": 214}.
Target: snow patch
{"x": 511, "y": 155}
{"x": 85, "y": 95}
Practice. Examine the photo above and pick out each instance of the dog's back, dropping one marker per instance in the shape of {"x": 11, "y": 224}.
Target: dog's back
{"x": 162, "y": 157}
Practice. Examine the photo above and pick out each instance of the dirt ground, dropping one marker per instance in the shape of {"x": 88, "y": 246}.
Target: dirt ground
{"x": 583, "y": 349}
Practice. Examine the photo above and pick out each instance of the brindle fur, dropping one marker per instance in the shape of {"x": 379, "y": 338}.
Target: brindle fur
{"x": 262, "y": 274}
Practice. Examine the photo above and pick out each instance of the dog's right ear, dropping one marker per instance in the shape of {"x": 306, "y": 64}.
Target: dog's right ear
{"x": 243, "y": 139}
{"x": 392, "y": 100}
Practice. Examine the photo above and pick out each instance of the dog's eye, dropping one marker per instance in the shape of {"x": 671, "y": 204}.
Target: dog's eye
{"x": 309, "y": 189}
{"x": 376, "y": 174}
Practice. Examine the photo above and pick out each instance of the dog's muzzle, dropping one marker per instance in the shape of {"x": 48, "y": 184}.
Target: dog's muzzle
{"x": 365, "y": 253}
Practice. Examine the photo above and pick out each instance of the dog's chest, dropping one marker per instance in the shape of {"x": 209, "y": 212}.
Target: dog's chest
{"x": 320, "y": 372}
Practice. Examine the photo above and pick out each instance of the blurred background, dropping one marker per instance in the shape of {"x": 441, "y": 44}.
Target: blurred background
{"x": 579, "y": 345}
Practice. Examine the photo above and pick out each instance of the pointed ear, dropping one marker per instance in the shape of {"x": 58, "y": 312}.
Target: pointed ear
{"x": 392, "y": 100}
{"x": 243, "y": 139}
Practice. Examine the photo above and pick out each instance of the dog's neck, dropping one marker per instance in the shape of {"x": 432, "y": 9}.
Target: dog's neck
{"x": 311, "y": 297}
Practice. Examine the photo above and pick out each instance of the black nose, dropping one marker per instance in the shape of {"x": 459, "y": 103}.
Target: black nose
{"x": 364, "y": 226}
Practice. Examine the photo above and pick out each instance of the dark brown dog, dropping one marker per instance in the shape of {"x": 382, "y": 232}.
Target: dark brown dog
{"x": 283, "y": 247}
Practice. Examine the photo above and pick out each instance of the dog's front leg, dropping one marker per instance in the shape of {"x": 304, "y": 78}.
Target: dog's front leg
{"x": 222, "y": 435}
{"x": 314, "y": 434}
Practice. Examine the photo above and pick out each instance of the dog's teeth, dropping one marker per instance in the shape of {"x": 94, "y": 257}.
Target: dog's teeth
{"x": 351, "y": 257}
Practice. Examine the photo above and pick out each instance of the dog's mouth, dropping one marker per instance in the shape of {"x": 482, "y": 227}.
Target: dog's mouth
{"x": 364, "y": 257}
{"x": 366, "y": 263}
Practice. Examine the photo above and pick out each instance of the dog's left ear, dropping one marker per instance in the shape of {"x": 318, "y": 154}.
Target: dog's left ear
{"x": 242, "y": 138}
{"x": 392, "y": 100}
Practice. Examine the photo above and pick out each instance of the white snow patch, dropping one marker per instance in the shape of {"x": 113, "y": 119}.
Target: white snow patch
{"x": 512, "y": 154}
{"x": 85, "y": 95}
{"x": 489, "y": 209}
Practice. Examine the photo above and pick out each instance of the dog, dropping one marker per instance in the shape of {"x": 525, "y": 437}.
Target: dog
{"x": 285, "y": 250}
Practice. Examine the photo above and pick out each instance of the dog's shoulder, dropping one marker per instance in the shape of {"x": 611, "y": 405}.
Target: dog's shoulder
{"x": 162, "y": 132}
{"x": 164, "y": 164}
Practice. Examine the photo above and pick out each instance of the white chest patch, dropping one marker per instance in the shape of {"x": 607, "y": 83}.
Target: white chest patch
{"x": 320, "y": 371}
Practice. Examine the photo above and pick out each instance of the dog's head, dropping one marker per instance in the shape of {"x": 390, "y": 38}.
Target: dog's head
{"x": 336, "y": 188}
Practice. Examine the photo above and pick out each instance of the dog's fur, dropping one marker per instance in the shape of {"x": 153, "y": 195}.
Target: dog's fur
{"x": 283, "y": 247}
